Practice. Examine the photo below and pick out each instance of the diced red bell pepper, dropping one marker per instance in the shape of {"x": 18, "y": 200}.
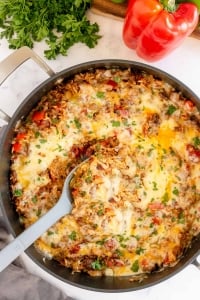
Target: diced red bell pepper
{"x": 112, "y": 83}
{"x": 38, "y": 116}
{"x": 153, "y": 31}
{"x": 156, "y": 221}
{"x": 156, "y": 206}
{"x": 16, "y": 147}
{"x": 20, "y": 135}
{"x": 193, "y": 153}
{"x": 75, "y": 249}
{"x": 189, "y": 105}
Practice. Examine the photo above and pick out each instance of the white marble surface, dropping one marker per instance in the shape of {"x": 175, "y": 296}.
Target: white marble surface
{"x": 183, "y": 63}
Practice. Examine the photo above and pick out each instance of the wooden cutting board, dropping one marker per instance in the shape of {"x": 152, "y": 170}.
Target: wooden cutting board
{"x": 118, "y": 11}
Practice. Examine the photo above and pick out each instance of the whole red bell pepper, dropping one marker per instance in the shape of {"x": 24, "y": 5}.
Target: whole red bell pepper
{"x": 155, "y": 30}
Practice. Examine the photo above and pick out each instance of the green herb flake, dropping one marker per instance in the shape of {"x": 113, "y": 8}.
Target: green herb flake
{"x": 155, "y": 232}
{"x": 155, "y": 188}
{"x": 100, "y": 242}
{"x": 133, "y": 123}
{"x": 77, "y": 123}
{"x": 97, "y": 265}
{"x": 39, "y": 212}
{"x": 139, "y": 250}
{"x": 59, "y": 148}
{"x": 125, "y": 122}
{"x": 135, "y": 266}
{"x": 171, "y": 109}
{"x": 73, "y": 236}
{"x": 100, "y": 212}
{"x": 52, "y": 245}
{"x": 137, "y": 237}
{"x": 18, "y": 193}
{"x": 115, "y": 123}
{"x": 55, "y": 121}
{"x": 49, "y": 232}
{"x": 37, "y": 134}
{"x": 83, "y": 193}
{"x": 165, "y": 198}
{"x": 88, "y": 178}
{"x": 117, "y": 79}
{"x": 119, "y": 252}
{"x": 34, "y": 199}
{"x": 181, "y": 218}
{"x": 175, "y": 191}
{"x": 196, "y": 141}
{"x": 100, "y": 95}
{"x": 42, "y": 141}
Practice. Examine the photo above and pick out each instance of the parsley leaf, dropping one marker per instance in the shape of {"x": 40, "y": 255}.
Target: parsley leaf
{"x": 97, "y": 265}
{"x": 171, "y": 109}
{"x": 196, "y": 141}
{"x": 73, "y": 235}
{"x": 135, "y": 266}
{"x": 115, "y": 123}
{"x": 18, "y": 193}
{"x": 61, "y": 23}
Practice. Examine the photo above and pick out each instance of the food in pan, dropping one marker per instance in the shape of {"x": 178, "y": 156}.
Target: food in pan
{"x": 137, "y": 198}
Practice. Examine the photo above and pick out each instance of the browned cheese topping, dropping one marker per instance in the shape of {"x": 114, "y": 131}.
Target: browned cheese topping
{"x": 137, "y": 199}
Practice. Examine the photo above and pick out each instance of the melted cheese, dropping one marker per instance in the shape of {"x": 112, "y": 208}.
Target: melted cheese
{"x": 135, "y": 197}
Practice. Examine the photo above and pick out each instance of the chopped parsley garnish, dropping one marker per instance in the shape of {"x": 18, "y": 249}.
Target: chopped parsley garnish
{"x": 155, "y": 188}
{"x": 18, "y": 193}
{"x": 55, "y": 120}
{"x": 38, "y": 212}
{"x": 42, "y": 141}
{"x": 49, "y": 232}
{"x": 119, "y": 252}
{"x": 125, "y": 122}
{"x": 83, "y": 193}
{"x": 115, "y": 123}
{"x": 77, "y": 123}
{"x": 73, "y": 235}
{"x": 59, "y": 148}
{"x": 133, "y": 123}
{"x": 88, "y": 178}
{"x": 97, "y": 265}
{"x": 34, "y": 199}
{"x": 165, "y": 198}
{"x": 100, "y": 94}
{"x": 37, "y": 134}
{"x": 117, "y": 79}
{"x": 196, "y": 141}
{"x": 139, "y": 250}
{"x": 100, "y": 212}
{"x": 181, "y": 218}
{"x": 135, "y": 266}
{"x": 61, "y": 24}
{"x": 175, "y": 191}
{"x": 171, "y": 109}
{"x": 100, "y": 242}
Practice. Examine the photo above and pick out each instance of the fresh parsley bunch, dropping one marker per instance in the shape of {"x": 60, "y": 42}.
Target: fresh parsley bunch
{"x": 62, "y": 23}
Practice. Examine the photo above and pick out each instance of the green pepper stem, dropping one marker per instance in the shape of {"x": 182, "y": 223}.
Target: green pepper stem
{"x": 169, "y": 5}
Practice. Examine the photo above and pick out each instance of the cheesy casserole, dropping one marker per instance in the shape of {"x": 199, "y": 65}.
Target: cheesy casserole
{"x": 137, "y": 198}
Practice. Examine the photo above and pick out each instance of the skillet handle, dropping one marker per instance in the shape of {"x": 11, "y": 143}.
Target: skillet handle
{"x": 13, "y": 61}
{"x": 196, "y": 263}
